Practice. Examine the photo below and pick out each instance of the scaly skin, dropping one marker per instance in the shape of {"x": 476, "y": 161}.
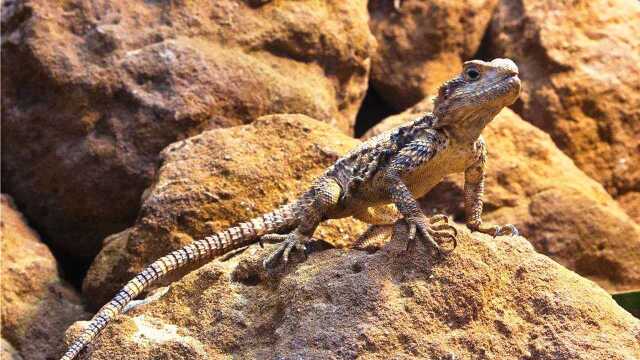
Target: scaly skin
{"x": 378, "y": 182}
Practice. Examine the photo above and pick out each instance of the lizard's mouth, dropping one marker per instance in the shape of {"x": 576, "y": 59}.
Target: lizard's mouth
{"x": 504, "y": 91}
{"x": 514, "y": 84}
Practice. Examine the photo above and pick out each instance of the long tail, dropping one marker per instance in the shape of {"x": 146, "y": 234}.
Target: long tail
{"x": 214, "y": 245}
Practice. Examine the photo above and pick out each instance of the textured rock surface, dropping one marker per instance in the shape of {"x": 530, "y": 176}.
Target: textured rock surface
{"x": 217, "y": 178}
{"x": 581, "y": 81}
{"x": 93, "y": 90}
{"x": 491, "y": 298}
{"x": 7, "y": 351}
{"x": 563, "y": 212}
{"x": 36, "y": 305}
{"x": 423, "y": 44}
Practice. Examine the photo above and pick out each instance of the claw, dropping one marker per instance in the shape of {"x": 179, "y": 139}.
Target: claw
{"x": 411, "y": 239}
{"x": 439, "y": 217}
{"x": 292, "y": 241}
{"x": 452, "y": 238}
{"x": 496, "y": 230}
{"x": 445, "y": 227}
{"x": 431, "y": 234}
{"x": 426, "y": 235}
{"x": 290, "y": 245}
{"x": 509, "y": 229}
{"x": 271, "y": 261}
{"x": 272, "y": 238}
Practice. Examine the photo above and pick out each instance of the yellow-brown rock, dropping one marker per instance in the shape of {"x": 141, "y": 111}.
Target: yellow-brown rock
{"x": 7, "y": 351}
{"x": 578, "y": 62}
{"x": 422, "y": 44}
{"x": 37, "y": 306}
{"x": 489, "y": 299}
{"x": 92, "y": 91}
{"x": 215, "y": 179}
{"x": 562, "y": 211}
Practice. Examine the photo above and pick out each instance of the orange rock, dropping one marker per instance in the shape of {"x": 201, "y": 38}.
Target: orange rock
{"x": 220, "y": 177}
{"x": 489, "y": 299}
{"x": 37, "y": 306}
{"x": 423, "y": 44}
{"x": 581, "y": 81}
{"x": 562, "y": 211}
{"x": 92, "y": 91}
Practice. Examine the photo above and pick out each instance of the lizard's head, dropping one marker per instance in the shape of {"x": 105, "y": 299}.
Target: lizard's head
{"x": 475, "y": 96}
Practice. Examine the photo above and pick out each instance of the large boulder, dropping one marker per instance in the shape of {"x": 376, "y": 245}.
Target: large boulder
{"x": 217, "y": 178}
{"x": 489, "y": 299}
{"x": 422, "y": 44}
{"x": 93, "y": 90}
{"x": 562, "y": 211}
{"x": 37, "y": 306}
{"x": 581, "y": 81}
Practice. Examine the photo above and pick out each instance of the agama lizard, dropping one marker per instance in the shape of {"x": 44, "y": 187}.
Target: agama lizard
{"x": 393, "y": 168}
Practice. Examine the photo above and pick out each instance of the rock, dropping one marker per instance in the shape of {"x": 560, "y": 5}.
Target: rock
{"x": 423, "y": 44}
{"x": 218, "y": 178}
{"x": 7, "y": 352}
{"x": 489, "y": 299}
{"x": 37, "y": 306}
{"x": 581, "y": 81}
{"x": 93, "y": 90}
{"x": 562, "y": 211}
{"x": 631, "y": 203}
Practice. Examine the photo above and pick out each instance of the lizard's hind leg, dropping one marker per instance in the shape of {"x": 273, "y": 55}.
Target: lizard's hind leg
{"x": 312, "y": 208}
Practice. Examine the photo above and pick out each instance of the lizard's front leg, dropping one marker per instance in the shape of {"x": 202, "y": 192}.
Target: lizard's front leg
{"x": 311, "y": 209}
{"x": 473, "y": 191}
{"x": 410, "y": 158}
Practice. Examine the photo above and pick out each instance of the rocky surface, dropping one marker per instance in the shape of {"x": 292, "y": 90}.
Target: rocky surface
{"x": 422, "y": 44}
{"x": 215, "y": 179}
{"x": 93, "y": 90}
{"x": 581, "y": 81}
{"x": 562, "y": 211}
{"x": 7, "y": 351}
{"x": 37, "y": 306}
{"x": 491, "y": 298}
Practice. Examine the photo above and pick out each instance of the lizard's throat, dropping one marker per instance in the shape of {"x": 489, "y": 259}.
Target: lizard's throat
{"x": 467, "y": 127}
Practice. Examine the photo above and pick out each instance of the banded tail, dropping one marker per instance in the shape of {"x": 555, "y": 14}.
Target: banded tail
{"x": 214, "y": 245}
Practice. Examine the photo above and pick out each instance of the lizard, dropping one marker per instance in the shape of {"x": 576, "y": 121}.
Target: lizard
{"x": 377, "y": 182}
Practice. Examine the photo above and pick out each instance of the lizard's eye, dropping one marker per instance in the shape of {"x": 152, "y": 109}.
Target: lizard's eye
{"x": 473, "y": 74}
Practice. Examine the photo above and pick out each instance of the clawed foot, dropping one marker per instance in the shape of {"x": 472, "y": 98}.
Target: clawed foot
{"x": 430, "y": 230}
{"x": 495, "y": 230}
{"x": 290, "y": 242}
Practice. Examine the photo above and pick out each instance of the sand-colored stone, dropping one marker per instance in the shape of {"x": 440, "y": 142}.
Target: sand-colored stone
{"x": 423, "y": 44}
{"x": 217, "y": 178}
{"x": 93, "y": 90}
{"x": 7, "y": 351}
{"x": 37, "y": 306}
{"x": 490, "y": 299}
{"x": 562, "y": 211}
{"x": 578, "y": 62}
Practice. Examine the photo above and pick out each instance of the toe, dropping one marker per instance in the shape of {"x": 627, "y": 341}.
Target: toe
{"x": 509, "y": 230}
{"x": 439, "y": 217}
{"x": 287, "y": 251}
{"x": 272, "y": 260}
{"x": 272, "y": 238}
{"x": 444, "y": 228}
